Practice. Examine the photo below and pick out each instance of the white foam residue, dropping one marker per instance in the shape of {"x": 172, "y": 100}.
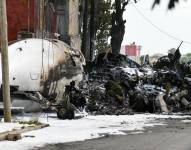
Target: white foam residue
{"x": 9, "y": 126}
{"x": 89, "y": 127}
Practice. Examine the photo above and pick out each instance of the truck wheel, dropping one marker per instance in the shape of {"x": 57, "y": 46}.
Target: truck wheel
{"x": 71, "y": 114}
{"x": 63, "y": 113}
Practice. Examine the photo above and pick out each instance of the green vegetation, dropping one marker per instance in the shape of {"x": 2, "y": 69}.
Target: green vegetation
{"x": 103, "y": 25}
{"x": 31, "y": 122}
{"x": 185, "y": 58}
{"x": 171, "y": 3}
{"x": 114, "y": 89}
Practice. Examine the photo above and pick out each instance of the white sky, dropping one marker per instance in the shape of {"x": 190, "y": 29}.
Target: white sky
{"x": 175, "y": 22}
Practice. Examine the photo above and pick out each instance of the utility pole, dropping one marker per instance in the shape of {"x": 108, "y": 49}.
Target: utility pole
{"x": 4, "y": 61}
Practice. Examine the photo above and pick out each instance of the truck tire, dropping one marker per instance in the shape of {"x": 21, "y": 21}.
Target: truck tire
{"x": 63, "y": 113}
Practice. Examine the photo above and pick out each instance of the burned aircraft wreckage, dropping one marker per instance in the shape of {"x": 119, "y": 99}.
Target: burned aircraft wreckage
{"x": 117, "y": 85}
{"x": 112, "y": 84}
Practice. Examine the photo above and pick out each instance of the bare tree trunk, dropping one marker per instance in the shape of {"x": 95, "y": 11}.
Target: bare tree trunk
{"x": 84, "y": 47}
{"x": 118, "y": 26}
{"x": 41, "y": 18}
{"x": 5, "y": 61}
{"x": 93, "y": 24}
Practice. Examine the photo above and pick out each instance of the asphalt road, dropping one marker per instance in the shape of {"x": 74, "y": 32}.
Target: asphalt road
{"x": 175, "y": 136}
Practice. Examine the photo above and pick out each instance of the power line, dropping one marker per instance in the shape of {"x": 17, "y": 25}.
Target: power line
{"x": 159, "y": 29}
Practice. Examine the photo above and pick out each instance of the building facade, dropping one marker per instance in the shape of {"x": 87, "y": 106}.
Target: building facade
{"x": 133, "y": 51}
{"x": 59, "y": 16}
{"x": 20, "y": 17}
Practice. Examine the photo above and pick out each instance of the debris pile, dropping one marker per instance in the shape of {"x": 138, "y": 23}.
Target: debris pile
{"x": 117, "y": 85}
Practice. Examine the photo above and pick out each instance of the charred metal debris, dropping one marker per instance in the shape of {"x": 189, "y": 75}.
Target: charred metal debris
{"x": 115, "y": 85}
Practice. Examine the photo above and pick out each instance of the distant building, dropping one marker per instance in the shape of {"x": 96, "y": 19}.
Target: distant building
{"x": 132, "y": 51}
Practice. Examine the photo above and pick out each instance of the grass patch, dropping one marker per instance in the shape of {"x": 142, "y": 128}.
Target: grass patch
{"x": 31, "y": 122}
